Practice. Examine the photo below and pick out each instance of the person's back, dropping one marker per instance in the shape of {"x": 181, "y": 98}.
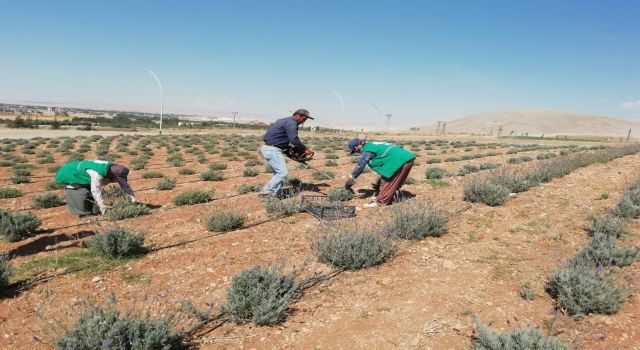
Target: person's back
{"x": 283, "y": 132}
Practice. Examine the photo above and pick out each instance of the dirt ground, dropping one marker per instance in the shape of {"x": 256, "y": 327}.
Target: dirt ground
{"x": 424, "y": 297}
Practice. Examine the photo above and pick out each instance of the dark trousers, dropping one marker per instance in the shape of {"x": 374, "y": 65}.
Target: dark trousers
{"x": 80, "y": 202}
{"x": 388, "y": 187}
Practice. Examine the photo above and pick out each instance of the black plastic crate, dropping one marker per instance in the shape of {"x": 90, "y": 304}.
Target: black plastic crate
{"x": 322, "y": 207}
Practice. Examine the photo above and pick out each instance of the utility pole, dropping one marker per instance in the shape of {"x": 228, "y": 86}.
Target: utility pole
{"x": 388, "y": 120}
{"x": 438, "y": 127}
{"x": 629, "y": 135}
{"x": 234, "y": 118}
{"x": 499, "y": 132}
{"x": 444, "y": 128}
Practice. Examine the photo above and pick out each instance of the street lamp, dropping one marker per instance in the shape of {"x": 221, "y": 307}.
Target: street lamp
{"x": 161, "y": 95}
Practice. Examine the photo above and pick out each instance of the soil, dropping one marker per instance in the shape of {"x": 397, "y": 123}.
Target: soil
{"x": 424, "y": 297}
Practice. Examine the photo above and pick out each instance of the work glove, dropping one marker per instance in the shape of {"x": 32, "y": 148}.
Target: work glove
{"x": 350, "y": 182}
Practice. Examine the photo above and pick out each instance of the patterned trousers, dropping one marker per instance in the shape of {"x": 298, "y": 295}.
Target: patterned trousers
{"x": 388, "y": 187}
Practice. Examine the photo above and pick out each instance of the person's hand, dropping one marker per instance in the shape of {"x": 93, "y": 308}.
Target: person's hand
{"x": 308, "y": 151}
{"x": 350, "y": 182}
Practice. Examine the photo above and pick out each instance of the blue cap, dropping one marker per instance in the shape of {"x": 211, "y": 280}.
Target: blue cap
{"x": 353, "y": 143}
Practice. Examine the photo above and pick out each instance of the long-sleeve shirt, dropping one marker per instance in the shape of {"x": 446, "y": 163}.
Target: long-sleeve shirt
{"x": 97, "y": 181}
{"x": 282, "y": 133}
{"x": 362, "y": 162}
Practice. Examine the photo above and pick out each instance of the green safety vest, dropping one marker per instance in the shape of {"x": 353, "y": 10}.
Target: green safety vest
{"x": 76, "y": 172}
{"x": 389, "y": 157}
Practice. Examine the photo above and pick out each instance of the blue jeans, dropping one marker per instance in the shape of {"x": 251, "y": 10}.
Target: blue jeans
{"x": 274, "y": 156}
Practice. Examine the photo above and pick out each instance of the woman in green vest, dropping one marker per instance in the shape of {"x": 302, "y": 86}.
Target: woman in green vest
{"x": 83, "y": 181}
{"x": 390, "y": 161}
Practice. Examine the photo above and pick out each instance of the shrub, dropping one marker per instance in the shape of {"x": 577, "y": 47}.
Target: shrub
{"x": 487, "y": 166}
{"x": 101, "y": 328}
{"x": 152, "y": 175}
{"x": 5, "y": 271}
{"x": 212, "y": 175}
{"x": 410, "y": 181}
{"x": 626, "y": 209}
{"x": 434, "y": 160}
{"x": 124, "y": 209}
{"x": 353, "y": 250}
{"x": 323, "y": 175}
{"x": 417, "y": 222}
{"x": 468, "y": 169}
{"x": 202, "y": 159}
{"x": 18, "y": 226}
{"x": 260, "y": 295}
{"x": 217, "y": 166}
{"x": 52, "y": 186}
{"x": 246, "y": 188}
{"x": 53, "y": 168}
{"x": 186, "y": 171}
{"x": 167, "y": 183}
{"x": 47, "y": 200}
{"x": 9, "y": 192}
{"x": 513, "y": 181}
{"x": 489, "y": 193}
{"x": 253, "y": 162}
{"x": 113, "y": 194}
{"x": 330, "y": 163}
{"x": 518, "y": 339}
{"x": 20, "y": 179}
{"x": 435, "y": 173}
{"x": 603, "y": 251}
{"x": 269, "y": 169}
{"x": 224, "y": 221}
{"x": 583, "y": 291}
{"x": 250, "y": 172}
{"x": 341, "y": 194}
{"x": 192, "y": 197}
{"x": 117, "y": 243}
{"x": 607, "y": 224}
{"x": 281, "y": 208}
{"x": 331, "y": 156}
{"x": 21, "y": 171}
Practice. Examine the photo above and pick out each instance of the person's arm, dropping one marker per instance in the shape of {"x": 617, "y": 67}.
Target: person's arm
{"x": 360, "y": 165}
{"x": 292, "y": 133}
{"x": 96, "y": 189}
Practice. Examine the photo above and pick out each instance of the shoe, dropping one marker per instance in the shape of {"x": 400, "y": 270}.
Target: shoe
{"x": 371, "y": 205}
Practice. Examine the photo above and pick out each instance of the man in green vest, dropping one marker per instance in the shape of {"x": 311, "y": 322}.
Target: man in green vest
{"x": 393, "y": 164}
{"x": 83, "y": 181}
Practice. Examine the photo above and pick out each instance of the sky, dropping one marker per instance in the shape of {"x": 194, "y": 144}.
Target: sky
{"x": 420, "y": 61}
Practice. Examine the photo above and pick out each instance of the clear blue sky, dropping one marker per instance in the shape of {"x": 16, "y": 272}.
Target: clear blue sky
{"x": 419, "y": 60}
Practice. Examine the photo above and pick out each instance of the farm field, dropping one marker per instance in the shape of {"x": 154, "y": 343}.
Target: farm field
{"x": 425, "y": 295}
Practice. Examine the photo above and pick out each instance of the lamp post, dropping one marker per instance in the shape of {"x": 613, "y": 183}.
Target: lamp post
{"x": 161, "y": 95}
{"x": 341, "y": 110}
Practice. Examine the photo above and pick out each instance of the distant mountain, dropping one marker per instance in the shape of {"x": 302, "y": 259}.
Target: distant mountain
{"x": 540, "y": 122}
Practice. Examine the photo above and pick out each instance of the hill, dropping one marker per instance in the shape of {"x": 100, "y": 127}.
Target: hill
{"x": 540, "y": 122}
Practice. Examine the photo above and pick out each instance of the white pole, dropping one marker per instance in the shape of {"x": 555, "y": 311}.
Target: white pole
{"x": 161, "y": 96}
{"x": 341, "y": 110}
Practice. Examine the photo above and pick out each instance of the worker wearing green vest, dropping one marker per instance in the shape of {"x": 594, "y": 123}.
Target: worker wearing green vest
{"x": 83, "y": 181}
{"x": 393, "y": 163}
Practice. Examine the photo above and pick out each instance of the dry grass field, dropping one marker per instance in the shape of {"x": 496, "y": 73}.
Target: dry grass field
{"x": 491, "y": 263}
